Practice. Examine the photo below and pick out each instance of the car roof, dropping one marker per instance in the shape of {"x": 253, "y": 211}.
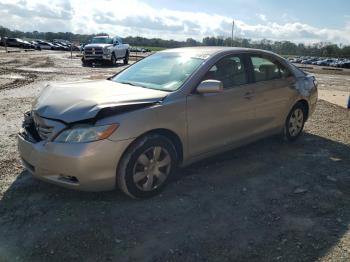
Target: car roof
{"x": 203, "y": 51}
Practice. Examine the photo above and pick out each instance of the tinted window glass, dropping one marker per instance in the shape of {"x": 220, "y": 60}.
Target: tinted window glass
{"x": 230, "y": 71}
{"x": 284, "y": 71}
{"x": 265, "y": 69}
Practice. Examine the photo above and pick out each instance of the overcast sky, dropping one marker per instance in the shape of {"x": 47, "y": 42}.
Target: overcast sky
{"x": 298, "y": 20}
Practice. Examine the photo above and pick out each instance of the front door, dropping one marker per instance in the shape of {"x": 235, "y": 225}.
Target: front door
{"x": 216, "y": 120}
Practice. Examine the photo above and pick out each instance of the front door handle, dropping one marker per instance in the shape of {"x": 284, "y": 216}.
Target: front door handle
{"x": 248, "y": 95}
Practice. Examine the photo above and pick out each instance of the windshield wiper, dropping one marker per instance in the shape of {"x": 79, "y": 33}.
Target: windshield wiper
{"x": 138, "y": 85}
{"x": 128, "y": 83}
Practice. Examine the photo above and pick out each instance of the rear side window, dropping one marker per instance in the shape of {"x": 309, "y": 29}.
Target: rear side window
{"x": 265, "y": 69}
{"x": 230, "y": 71}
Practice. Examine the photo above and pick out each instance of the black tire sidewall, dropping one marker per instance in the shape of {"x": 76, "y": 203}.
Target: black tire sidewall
{"x": 113, "y": 59}
{"x": 126, "y": 58}
{"x": 131, "y": 157}
{"x": 85, "y": 63}
{"x": 287, "y": 135}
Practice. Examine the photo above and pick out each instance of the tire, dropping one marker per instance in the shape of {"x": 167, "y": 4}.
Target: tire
{"x": 295, "y": 121}
{"x": 142, "y": 173}
{"x": 85, "y": 63}
{"x": 113, "y": 60}
{"x": 126, "y": 58}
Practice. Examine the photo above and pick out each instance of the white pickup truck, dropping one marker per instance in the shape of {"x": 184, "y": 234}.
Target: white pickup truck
{"x": 106, "y": 50}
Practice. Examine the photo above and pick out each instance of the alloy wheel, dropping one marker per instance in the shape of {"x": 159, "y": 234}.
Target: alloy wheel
{"x": 152, "y": 168}
{"x": 296, "y": 121}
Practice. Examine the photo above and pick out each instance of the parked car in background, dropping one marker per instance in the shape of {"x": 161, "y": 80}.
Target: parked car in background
{"x": 81, "y": 47}
{"x": 45, "y": 45}
{"x": 167, "y": 110}
{"x": 309, "y": 61}
{"x": 14, "y": 42}
{"x": 325, "y": 62}
{"x": 36, "y": 45}
{"x": 105, "y": 49}
{"x": 321, "y": 61}
{"x": 27, "y": 44}
{"x": 61, "y": 46}
{"x": 139, "y": 49}
{"x": 345, "y": 64}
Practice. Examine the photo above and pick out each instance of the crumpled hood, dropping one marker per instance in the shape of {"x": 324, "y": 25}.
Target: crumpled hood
{"x": 76, "y": 101}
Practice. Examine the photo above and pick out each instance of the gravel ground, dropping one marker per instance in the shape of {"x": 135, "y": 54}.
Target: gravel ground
{"x": 268, "y": 201}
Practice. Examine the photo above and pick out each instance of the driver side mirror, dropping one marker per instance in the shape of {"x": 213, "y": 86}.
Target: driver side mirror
{"x": 210, "y": 86}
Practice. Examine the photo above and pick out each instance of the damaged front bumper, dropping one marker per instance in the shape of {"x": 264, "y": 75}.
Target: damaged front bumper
{"x": 83, "y": 166}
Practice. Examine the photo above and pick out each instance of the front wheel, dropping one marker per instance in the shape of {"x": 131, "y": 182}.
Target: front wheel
{"x": 146, "y": 166}
{"x": 85, "y": 63}
{"x": 126, "y": 58}
{"x": 295, "y": 122}
{"x": 113, "y": 60}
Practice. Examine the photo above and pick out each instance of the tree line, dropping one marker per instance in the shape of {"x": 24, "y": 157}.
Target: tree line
{"x": 325, "y": 49}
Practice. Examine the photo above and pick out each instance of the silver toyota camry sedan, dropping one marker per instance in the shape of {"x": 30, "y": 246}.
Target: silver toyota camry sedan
{"x": 168, "y": 110}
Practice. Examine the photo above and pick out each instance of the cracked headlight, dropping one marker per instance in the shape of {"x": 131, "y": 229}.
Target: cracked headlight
{"x": 83, "y": 134}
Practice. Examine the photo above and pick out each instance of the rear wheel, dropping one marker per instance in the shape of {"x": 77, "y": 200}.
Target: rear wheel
{"x": 295, "y": 122}
{"x": 146, "y": 166}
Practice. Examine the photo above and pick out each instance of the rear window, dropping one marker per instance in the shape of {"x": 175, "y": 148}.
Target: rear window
{"x": 266, "y": 69}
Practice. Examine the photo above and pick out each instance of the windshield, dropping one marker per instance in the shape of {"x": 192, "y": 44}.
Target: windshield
{"x": 102, "y": 40}
{"x": 162, "y": 71}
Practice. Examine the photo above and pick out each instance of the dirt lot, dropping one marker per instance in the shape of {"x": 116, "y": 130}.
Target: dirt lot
{"x": 269, "y": 201}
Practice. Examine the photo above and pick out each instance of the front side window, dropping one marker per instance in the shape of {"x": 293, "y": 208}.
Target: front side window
{"x": 162, "y": 71}
{"x": 230, "y": 71}
{"x": 266, "y": 69}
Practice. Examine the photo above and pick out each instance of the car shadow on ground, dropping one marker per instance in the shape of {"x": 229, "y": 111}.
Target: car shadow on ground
{"x": 106, "y": 65}
{"x": 269, "y": 201}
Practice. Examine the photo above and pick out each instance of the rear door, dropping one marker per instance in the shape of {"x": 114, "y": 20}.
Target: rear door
{"x": 220, "y": 119}
{"x": 273, "y": 91}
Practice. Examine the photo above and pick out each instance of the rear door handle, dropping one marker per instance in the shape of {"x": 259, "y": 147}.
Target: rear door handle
{"x": 248, "y": 95}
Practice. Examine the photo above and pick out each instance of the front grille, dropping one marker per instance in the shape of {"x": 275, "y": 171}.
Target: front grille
{"x": 42, "y": 127}
{"x": 93, "y": 51}
{"x": 44, "y": 131}
{"x": 38, "y": 128}
{"x": 30, "y": 132}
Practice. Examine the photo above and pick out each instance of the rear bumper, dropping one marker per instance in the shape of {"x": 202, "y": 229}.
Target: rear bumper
{"x": 85, "y": 166}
